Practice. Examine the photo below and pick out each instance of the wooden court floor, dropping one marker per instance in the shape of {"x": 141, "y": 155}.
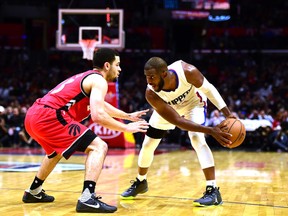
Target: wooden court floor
{"x": 251, "y": 184}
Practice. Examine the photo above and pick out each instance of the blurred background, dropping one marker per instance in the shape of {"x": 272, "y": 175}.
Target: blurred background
{"x": 239, "y": 45}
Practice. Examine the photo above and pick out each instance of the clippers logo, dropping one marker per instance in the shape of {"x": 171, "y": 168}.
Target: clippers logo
{"x": 74, "y": 129}
{"x": 180, "y": 98}
{"x": 103, "y": 132}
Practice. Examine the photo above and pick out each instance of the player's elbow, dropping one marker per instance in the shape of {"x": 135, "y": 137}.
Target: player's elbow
{"x": 98, "y": 118}
{"x": 95, "y": 119}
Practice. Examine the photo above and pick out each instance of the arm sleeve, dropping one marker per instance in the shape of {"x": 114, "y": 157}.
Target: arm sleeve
{"x": 212, "y": 94}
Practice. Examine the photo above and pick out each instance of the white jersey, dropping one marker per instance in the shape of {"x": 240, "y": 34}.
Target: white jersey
{"x": 186, "y": 99}
{"x": 185, "y": 93}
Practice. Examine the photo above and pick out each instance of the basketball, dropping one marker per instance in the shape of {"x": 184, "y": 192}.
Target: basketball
{"x": 237, "y": 129}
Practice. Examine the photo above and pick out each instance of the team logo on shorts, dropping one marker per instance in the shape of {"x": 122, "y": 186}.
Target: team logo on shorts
{"x": 74, "y": 129}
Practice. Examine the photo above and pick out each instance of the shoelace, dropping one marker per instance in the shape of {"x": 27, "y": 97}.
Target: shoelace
{"x": 208, "y": 193}
{"x": 96, "y": 197}
{"x": 134, "y": 183}
{"x": 42, "y": 192}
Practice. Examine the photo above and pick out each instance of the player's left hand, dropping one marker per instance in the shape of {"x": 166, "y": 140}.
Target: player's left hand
{"x": 137, "y": 116}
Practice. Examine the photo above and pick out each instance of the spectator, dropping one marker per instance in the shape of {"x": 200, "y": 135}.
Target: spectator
{"x": 279, "y": 138}
{"x": 15, "y": 125}
{"x": 215, "y": 118}
{"x": 265, "y": 116}
{"x": 254, "y": 115}
{"x": 4, "y": 139}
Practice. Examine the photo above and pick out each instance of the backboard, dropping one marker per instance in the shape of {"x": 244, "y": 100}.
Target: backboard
{"x": 103, "y": 25}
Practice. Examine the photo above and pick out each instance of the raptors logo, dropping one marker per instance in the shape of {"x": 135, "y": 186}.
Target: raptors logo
{"x": 74, "y": 129}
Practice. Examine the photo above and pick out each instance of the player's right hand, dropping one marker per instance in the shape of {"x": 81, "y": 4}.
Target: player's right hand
{"x": 220, "y": 136}
{"x": 138, "y": 126}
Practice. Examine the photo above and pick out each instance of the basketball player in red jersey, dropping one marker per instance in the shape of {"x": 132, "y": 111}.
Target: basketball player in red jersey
{"x": 54, "y": 122}
{"x": 178, "y": 94}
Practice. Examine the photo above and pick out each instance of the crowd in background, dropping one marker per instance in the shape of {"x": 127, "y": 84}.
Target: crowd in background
{"x": 245, "y": 63}
{"x": 253, "y": 85}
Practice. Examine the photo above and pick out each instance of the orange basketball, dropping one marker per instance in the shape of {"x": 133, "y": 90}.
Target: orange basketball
{"x": 237, "y": 129}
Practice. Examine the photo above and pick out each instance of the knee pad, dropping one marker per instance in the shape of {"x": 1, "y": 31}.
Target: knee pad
{"x": 146, "y": 154}
{"x": 202, "y": 150}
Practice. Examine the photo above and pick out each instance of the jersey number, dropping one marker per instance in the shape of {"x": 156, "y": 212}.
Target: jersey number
{"x": 61, "y": 86}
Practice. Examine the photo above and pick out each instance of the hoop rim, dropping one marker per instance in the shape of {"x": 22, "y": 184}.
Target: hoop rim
{"x": 88, "y": 42}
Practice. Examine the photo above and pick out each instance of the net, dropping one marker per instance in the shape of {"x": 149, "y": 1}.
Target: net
{"x": 88, "y": 47}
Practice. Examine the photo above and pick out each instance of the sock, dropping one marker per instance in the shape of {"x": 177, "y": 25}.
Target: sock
{"x": 36, "y": 186}
{"x": 211, "y": 183}
{"x": 90, "y": 185}
{"x": 86, "y": 195}
{"x": 141, "y": 177}
{"x": 36, "y": 183}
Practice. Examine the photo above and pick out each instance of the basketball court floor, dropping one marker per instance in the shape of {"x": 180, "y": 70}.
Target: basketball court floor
{"x": 251, "y": 183}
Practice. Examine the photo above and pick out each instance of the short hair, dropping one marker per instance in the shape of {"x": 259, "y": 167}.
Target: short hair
{"x": 103, "y": 55}
{"x": 156, "y": 63}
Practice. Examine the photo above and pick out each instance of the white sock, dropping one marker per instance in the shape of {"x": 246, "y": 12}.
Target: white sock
{"x": 141, "y": 177}
{"x": 86, "y": 195}
{"x": 211, "y": 183}
{"x": 36, "y": 190}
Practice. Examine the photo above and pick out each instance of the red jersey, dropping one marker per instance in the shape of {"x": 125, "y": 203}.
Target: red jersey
{"x": 54, "y": 121}
{"x": 70, "y": 96}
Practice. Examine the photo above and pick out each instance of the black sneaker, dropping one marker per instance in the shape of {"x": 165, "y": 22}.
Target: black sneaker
{"x": 211, "y": 197}
{"x": 40, "y": 197}
{"x": 94, "y": 205}
{"x": 136, "y": 188}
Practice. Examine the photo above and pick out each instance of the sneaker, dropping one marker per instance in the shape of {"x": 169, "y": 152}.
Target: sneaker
{"x": 94, "y": 205}
{"x": 211, "y": 197}
{"x": 136, "y": 188}
{"x": 40, "y": 197}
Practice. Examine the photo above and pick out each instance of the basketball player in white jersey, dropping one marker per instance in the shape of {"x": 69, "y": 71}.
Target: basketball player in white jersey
{"x": 178, "y": 94}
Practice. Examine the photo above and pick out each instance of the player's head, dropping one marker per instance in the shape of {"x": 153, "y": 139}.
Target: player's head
{"x": 107, "y": 60}
{"x": 155, "y": 70}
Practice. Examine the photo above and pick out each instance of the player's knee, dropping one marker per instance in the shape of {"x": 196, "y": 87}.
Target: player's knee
{"x": 98, "y": 145}
{"x": 150, "y": 144}
{"x": 197, "y": 139}
{"x": 147, "y": 151}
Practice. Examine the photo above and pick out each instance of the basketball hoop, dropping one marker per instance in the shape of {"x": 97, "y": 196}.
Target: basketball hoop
{"x": 88, "y": 47}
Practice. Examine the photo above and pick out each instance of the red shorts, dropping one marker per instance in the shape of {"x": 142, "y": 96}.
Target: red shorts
{"x": 56, "y": 131}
